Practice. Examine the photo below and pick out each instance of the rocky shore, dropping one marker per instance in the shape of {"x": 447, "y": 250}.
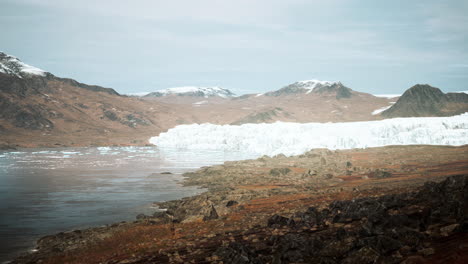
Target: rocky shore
{"x": 405, "y": 204}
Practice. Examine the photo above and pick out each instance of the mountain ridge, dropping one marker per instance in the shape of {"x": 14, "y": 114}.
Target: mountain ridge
{"x": 314, "y": 86}
{"x": 45, "y": 110}
{"x": 424, "y": 100}
{"x": 196, "y": 91}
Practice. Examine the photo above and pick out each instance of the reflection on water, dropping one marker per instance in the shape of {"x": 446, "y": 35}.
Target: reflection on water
{"x": 45, "y": 191}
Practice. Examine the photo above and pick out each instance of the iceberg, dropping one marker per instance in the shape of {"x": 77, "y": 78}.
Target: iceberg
{"x": 296, "y": 138}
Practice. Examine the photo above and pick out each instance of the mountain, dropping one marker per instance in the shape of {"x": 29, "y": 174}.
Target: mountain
{"x": 314, "y": 86}
{"x": 40, "y": 109}
{"x": 193, "y": 91}
{"x": 425, "y": 100}
{"x": 13, "y": 66}
{"x": 304, "y": 101}
{"x": 265, "y": 116}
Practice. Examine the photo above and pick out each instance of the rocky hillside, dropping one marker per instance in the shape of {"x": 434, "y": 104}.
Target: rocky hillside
{"x": 40, "y": 109}
{"x": 425, "y": 100}
{"x": 314, "y": 86}
{"x": 304, "y": 101}
{"x": 266, "y": 116}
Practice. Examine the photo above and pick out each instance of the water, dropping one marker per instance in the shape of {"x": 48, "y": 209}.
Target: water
{"x": 45, "y": 191}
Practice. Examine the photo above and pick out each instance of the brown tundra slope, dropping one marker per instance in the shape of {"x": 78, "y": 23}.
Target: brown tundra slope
{"x": 396, "y": 204}
{"x": 40, "y": 109}
{"x": 304, "y": 101}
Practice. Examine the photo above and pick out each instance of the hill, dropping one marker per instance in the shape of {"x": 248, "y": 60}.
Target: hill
{"x": 425, "y": 100}
{"x": 40, "y": 109}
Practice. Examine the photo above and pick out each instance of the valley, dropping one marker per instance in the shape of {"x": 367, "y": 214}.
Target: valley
{"x": 39, "y": 109}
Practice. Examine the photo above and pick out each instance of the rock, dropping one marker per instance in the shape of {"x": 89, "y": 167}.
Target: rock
{"x": 231, "y": 203}
{"x": 379, "y": 174}
{"x": 236, "y": 253}
{"x": 337, "y": 248}
{"x": 383, "y": 244}
{"x": 162, "y": 217}
{"x": 211, "y": 215}
{"x": 414, "y": 260}
{"x": 142, "y": 216}
{"x": 362, "y": 256}
{"x": 111, "y": 115}
{"x": 278, "y": 220}
{"x": 426, "y": 251}
{"x": 7, "y": 147}
{"x": 279, "y": 171}
{"x": 446, "y": 230}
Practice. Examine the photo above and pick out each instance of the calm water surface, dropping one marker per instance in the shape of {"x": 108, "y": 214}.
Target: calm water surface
{"x": 45, "y": 191}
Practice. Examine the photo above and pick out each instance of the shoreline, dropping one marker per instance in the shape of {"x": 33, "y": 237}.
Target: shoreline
{"x": 6, "y": 147}
{"x": 337, "y": 175}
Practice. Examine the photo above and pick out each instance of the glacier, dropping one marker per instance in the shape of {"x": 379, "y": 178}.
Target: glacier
{"x": 380, "y": 110}
{"x": 296, "y": 138}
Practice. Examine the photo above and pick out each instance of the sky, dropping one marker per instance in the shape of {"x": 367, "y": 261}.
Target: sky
{"x": 247, "y": 46}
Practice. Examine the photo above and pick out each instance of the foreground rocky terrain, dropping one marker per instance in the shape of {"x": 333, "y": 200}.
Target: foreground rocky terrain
{"x": 396, "y": 204}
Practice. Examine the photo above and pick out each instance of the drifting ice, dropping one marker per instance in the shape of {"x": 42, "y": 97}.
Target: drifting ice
{"x": 296, "y": 138}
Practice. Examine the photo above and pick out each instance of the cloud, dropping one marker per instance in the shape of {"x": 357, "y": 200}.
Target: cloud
{"x": 447, "y": 20}
{"x": 240, "y": 41}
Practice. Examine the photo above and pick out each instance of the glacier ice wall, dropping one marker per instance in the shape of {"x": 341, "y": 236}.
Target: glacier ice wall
{"x": 296, "y": 138}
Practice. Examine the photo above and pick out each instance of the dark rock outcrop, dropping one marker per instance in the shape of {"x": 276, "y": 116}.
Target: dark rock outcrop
{"x": 425, "y": 100}
{"x": 94, "y": 88}
{"x": 34, "y": 117}
{"x": 384, "y": 229}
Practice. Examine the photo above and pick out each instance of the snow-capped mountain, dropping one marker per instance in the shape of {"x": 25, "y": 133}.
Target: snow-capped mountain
{"x": 193, "y": 91}
{"x": 314, "y": 86}
{"x": 13, "y": 66}
{"x": 310, "y": 85}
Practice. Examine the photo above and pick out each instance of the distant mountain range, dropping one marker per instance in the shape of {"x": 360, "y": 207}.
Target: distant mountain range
{"x": 301, "y": 87}
{"x": 40, "y": 109}
{"x": 314, "y": 86}
{"x": 193, "y": 91}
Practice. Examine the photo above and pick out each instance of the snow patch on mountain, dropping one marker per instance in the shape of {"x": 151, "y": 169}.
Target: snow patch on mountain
{"x": 200, "y": 103}
{"x": 13, "y": 66}
{"x": 310, "y": 85}
{"x": 380, "y": 110}
{"x": 387, "y": 95}
{"x": 296, "y": 138}
{"x": 194, "y": 91}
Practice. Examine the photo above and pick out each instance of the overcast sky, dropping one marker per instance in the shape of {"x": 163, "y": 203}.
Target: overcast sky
{"x": 247, "y": 46}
